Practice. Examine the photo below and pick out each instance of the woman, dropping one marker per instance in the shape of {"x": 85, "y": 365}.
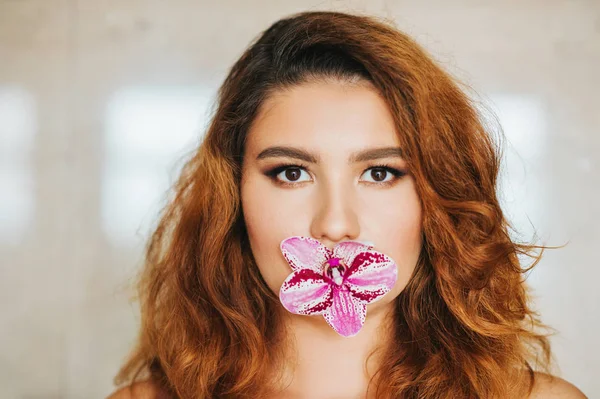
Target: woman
{"x": 340, "y": 129}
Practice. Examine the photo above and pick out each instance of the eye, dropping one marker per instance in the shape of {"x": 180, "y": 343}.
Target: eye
{"x": 287, "y": 174}
{"x": 379, "y": 173}
{"x": 290, "y": 175}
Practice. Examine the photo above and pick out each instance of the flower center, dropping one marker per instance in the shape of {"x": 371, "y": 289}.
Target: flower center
{"x": 335, "y": 269}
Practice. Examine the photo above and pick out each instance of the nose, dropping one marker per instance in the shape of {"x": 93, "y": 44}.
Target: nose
{"x": 335, "y": 217}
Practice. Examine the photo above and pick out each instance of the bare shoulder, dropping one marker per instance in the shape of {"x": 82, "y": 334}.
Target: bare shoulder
{"x": 547, "y": 386}
{"x": 139, "y": 390}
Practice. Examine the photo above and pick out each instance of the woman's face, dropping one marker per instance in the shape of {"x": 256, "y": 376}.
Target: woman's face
{"x": 326, "y": 180}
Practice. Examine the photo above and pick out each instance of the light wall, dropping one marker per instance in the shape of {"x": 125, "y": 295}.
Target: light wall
{"x": 100, "y": 100}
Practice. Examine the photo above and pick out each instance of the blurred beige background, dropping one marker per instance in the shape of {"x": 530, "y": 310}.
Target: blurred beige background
{"x": 100, "y": 99}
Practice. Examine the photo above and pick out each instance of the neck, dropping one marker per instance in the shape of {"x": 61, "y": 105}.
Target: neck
{"x": 327, "y": 365}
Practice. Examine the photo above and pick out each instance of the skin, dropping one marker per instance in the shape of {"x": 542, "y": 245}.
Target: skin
{"x": 332, "y": 201}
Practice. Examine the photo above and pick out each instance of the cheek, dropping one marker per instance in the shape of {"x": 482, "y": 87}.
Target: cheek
{"x": 401, "y": 239}
{"x": 264, "y": 229}
{"x": 406, "y": 256}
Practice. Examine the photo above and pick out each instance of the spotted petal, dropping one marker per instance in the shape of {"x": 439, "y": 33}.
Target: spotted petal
{"x": 306, "y": 292}
{"x": 347, "y": 314}
{"x": 371, "y": 276}
{"x": 305, "y": 253}
{"x": 347, "y": 250}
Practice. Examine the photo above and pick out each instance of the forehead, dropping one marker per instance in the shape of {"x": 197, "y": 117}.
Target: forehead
{"x": 330, "y": 115}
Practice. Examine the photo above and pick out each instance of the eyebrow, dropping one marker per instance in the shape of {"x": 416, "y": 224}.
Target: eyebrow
{"x": 306, "y": 156}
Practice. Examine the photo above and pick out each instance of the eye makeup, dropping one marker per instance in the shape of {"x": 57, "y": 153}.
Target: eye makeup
{"x": 275, "y": 171}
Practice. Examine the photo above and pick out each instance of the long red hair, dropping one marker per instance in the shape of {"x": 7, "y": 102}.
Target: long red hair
{"x": 463, "y": 326}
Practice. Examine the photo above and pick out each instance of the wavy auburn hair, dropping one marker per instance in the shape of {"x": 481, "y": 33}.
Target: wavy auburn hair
{"x": 463, "y": 326}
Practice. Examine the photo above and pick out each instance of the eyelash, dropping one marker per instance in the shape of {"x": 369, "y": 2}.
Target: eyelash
{"x": 272, "y": 173}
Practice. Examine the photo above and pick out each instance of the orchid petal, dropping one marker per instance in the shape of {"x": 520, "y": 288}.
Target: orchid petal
{"x": 347, "y": 314}
{"x": 306, "y": 292}
{"x": 371, "y": 276}
{"x": 347, "y": 250}
{"x": 305, "y": 253}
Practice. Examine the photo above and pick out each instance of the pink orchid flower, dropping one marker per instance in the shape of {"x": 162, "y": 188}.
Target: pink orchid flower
{"x": 338, "y": 283}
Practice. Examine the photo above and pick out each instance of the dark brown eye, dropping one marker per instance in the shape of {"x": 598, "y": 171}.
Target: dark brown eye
{"x": 288, "y": 175}
{"x": 292, "y": 174}
{"x": 384, "y": 175}
{"x": 378, "y": 174}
